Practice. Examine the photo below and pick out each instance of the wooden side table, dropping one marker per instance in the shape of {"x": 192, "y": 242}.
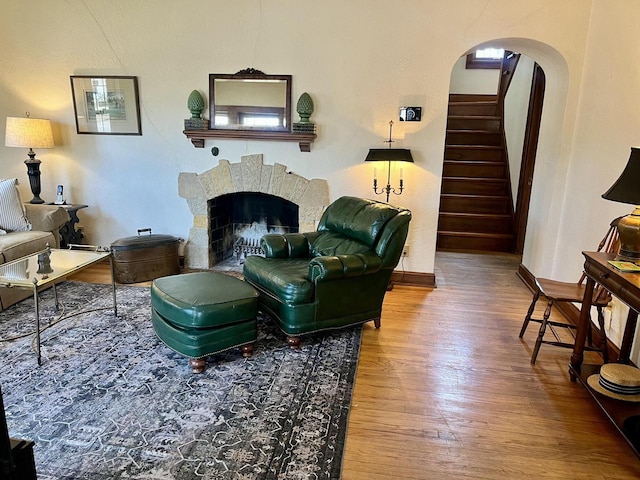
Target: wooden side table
{"x": 68, "y": 232}
{"x": 626, "y": 286}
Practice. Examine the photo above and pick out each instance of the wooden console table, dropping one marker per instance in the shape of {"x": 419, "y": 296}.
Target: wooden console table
{"x": 626, "y": 286}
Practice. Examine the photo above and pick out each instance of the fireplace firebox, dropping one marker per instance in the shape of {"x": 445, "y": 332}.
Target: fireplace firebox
{"x": 238, "y": 220}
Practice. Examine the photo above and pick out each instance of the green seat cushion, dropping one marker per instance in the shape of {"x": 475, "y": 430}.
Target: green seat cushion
{"x": 287, "y": 279}
{"x": 203, "y": 299}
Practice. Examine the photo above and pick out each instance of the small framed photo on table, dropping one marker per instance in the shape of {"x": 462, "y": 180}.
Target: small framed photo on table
{"x": 106, "y": 105}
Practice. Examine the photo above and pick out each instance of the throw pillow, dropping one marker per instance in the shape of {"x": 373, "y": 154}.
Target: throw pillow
{"x": 12, "y": 215}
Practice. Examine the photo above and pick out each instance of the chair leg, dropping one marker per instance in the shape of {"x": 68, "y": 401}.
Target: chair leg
{"x": 603, "y": 336}
{"x": 527, "y": 319}
{"x": 543, "y": 328}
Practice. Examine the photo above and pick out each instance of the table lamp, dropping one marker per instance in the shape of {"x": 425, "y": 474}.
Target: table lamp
{"x": 30, "y": 133}
{"x": 627, "y": 190}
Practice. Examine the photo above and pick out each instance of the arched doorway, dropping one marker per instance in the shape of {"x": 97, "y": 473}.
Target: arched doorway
{"x": 495, "y": 110}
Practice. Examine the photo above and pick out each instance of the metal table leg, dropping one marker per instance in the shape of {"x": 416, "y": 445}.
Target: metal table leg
{"x": 113, "y": 287}
{"x": 37, "y": 307}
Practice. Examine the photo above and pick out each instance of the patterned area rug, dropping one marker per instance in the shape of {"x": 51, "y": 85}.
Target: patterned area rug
{"x": 111, "y": 401}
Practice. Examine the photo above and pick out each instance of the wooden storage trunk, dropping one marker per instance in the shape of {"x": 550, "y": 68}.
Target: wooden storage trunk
{"x": 144, "y": 257}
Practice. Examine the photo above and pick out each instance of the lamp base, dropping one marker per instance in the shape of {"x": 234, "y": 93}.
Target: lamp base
{"x": 629, "y": 231}
{"x": 33, "y": 171}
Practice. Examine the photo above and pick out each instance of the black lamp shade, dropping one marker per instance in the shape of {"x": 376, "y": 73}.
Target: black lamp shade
{"x": 389, "y": 155}
{"x": 627, "y": 188}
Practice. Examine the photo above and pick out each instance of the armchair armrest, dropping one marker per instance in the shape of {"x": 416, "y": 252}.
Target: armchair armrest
{"x": 288, "y": 245}
{"x": 335, "y": 267}
{"x": 46, "y": 218}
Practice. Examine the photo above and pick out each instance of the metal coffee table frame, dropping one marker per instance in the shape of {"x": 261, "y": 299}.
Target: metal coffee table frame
{"x": 48, "y": 267}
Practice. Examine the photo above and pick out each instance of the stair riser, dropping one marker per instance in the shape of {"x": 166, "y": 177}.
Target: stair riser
{"x": 472, "y": 109}
{"x": 473, "y": 138}
{"x": 480, "y": 224}
{"x": 484, "y": 154}
{"x": 474, "y": 204}
{"x": 479, "y": 123}
{"x": 484, "y": 187}
{"x": 468, "y": 169}
{"x": 451, "y": 242}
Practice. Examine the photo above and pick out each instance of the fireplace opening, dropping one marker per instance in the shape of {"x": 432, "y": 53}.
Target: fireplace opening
{"x": 237, "y": 221}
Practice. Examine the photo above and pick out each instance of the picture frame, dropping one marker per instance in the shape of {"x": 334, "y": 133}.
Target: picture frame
{"x": 106, "y": 105}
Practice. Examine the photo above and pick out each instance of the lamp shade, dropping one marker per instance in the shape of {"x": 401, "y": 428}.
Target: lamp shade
{"x": 389, "y": 155}
{"x": 28, "y": 133}
{"x": 627, "y": 188}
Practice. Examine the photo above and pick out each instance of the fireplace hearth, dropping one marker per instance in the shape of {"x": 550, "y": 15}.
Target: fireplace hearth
{"x": 299, "y": 200}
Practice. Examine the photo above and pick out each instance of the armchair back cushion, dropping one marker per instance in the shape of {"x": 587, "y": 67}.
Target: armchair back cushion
{"x": 335, "y": 276}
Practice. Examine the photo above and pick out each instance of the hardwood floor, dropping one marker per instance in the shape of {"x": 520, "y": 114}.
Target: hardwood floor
{"x": 445, "y": 390}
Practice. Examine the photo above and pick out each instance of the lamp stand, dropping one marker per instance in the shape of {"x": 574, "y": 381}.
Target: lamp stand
{"x": 33, "y": 171}
{"x": 388, "y": 189}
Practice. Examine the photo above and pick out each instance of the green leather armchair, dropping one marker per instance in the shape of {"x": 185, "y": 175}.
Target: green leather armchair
{"x": 335, "y": 276}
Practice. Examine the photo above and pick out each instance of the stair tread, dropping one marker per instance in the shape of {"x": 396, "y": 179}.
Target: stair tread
{"x": 477, "y": 179}
{"x": 459, "y": 103}
{"x": 474, "y": 117}
{"x": 473, "y": 130}
{"x": 475, "y": 147}
{"x": 475, "y": 215}
{"x": 473, "y": 162}
{"x": 472, "y": 195}
{"x": 475, "y": 234}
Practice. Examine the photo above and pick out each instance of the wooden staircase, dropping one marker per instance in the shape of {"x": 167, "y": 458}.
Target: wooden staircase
{"x": 476, "y": 206}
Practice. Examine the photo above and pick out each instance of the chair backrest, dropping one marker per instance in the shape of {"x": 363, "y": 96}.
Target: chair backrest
{"x": 355, "y": 225}
{"x": 610, "y": 243}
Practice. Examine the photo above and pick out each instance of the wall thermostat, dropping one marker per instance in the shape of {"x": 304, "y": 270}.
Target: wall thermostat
{"x": 410, "y": 114}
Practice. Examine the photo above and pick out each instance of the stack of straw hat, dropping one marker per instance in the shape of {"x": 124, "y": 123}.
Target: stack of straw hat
{"x": 618, "y": 381}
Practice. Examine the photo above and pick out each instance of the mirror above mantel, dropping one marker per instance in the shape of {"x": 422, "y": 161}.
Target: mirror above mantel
{"x": 250, "y": 105}
{"x": 250, "y": 101}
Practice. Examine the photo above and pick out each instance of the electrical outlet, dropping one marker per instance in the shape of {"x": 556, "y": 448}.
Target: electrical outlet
{"x": 405, "y": 251}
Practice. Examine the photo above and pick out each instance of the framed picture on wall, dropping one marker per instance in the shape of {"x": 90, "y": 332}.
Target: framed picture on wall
{"x": 106, "y": 105}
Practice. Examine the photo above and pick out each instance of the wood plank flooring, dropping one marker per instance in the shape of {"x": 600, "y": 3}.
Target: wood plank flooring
{"x": 445, "y": 390}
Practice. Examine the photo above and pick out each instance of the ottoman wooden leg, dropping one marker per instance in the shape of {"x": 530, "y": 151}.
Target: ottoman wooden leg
{"x": 294, "y": 342}
{"x": 247, "y": 350}
{"x": 197, "y": 365}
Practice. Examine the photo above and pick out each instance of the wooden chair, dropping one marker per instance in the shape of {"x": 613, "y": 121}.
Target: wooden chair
{"x": 555, "y": 291}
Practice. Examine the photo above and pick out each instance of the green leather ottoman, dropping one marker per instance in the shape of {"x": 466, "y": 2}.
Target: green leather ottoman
{"x": 198, "y": 314}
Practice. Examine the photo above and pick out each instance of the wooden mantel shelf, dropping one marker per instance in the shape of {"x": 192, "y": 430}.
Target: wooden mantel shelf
{"x": 304, "y": 140}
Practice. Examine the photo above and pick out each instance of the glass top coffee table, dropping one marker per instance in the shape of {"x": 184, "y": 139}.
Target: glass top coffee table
{"x": 46, "y": 268}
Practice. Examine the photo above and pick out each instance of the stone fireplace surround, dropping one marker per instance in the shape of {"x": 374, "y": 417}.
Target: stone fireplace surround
{"x": 249, "y": 175}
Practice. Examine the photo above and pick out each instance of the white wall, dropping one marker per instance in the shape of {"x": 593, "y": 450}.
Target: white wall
{"x": 352, "y": 57}
{"x": 473, "y": 80}
{"x": 606, "y": 128}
